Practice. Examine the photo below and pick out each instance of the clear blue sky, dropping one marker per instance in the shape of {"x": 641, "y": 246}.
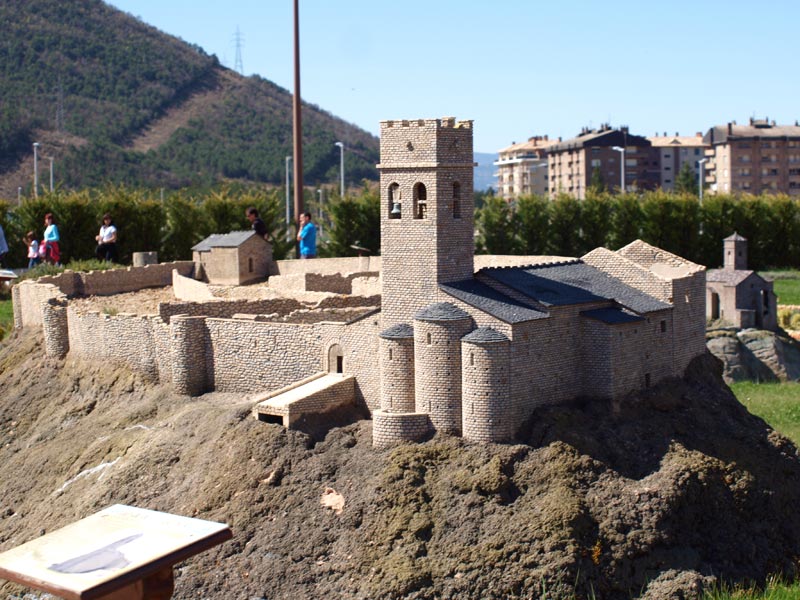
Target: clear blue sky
{"x": 515, "y": 67}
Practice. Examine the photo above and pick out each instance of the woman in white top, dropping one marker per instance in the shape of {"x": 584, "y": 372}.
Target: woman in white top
{"x": 107, "y": 240}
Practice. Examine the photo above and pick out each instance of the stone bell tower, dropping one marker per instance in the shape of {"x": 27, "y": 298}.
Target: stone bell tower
{"x": 427, "y": 212}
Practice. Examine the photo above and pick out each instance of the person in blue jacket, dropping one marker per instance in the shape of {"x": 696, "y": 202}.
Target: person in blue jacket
{"x": 307, "y": 236}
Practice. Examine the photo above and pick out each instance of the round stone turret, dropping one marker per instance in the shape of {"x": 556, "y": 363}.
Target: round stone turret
{"x": 486, "y": 368}
{"x": 397, "y": 368}
{"x": 438, "y": 329}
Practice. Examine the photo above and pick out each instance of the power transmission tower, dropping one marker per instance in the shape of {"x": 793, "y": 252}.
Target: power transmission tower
{"x": 239, "y": 41}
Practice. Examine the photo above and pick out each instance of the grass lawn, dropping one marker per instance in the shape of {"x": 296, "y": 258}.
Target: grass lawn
{"x": 786, "y": 285}
{"x": 6, "y": 317}
{"x": 774, "y": 591}
{"x": 777, "y": 403}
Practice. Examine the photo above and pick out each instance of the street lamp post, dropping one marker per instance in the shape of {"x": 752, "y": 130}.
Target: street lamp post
{"x": 702, "y": 163}
{"x": 50, "y": 158}
{"x": 621, "y": 150}
{"x": 341, "y": 167}
{"x": 288, "y": 202}
{"x": 35, "y": 169}
{"x": 321, "y": 193}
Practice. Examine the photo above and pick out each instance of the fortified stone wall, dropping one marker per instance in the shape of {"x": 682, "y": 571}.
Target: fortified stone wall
{"x": 389, "y": 429}
{"x": 124, "y": 339}
{"x": 332, "y": 266}
{"x": 397, "y": 369}
{"x": 28, "y": 298}
{"x": 225, "y": 309}
{"x": 55, "y": 328}
{"x": 597, "y": 371}
{"x": 336, "y": 283}
{"x": 190, "y": 361}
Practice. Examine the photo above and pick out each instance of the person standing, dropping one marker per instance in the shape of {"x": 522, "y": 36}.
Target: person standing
{"x": 52, "y": 252}
{"x": 258, "y": 225}
{"x": 33, "y": 249}
{"x": 3, "y": 245}
{"x": 107, "y": 240}
{"x": 307, "y": 236}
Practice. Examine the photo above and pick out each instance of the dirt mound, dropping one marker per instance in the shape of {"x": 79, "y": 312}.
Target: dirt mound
{"x": 658, "y": 495}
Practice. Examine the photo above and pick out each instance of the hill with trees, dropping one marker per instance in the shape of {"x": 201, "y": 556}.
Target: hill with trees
{"x": 113, "y": 99}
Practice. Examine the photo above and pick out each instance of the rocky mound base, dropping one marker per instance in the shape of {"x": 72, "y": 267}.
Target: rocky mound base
{"x": 755, "y": 354}
{"x": 657, "y": 496}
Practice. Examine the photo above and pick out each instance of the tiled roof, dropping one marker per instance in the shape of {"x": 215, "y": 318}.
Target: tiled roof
{"x": 401, "y": 331}
{"x": 728, "y": 276}
{"x": 484, "y": 335}
{"x": 612, "y": 316}
{"x": 490, "y": 301}
{"x": 735, "y": 237}
{"x": 574, "y": 282}
{"x": 441, "y": 311}
{"x": 223, "y": 240}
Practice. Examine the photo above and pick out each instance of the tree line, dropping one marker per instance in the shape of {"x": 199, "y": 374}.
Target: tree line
{"x": 531, "y": 225}
{"x": 677, "y": 222}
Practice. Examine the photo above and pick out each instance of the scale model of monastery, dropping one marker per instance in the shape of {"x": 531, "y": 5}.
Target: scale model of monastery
{"x": 444, "y": 349}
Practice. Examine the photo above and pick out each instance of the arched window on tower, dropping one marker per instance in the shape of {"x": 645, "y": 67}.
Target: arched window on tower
{"x": 420, "y": 201}
{"x": 394, "y": 201}
{"x": 456, "y": 200}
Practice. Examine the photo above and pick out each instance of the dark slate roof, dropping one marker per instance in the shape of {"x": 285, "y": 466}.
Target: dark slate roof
{"x": 728, "y": 276}
{"x": 574, "y": 282}
{"x": 484, "y": 335}
{"x": 401, "y": 331}
{"x": 223, "y": 240}
{"x": 491, "y": 302}
{"x": 612, "y": 316}
{"x": 441, "y": 311}
{"x": 735, "y": 238}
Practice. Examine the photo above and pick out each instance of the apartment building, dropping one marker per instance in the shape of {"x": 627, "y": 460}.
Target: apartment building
{"x": 571, "y": 163}
{"x": 522, "y": 168}
{"x": 757, "y": 158}
{"x": 673, "y": 152}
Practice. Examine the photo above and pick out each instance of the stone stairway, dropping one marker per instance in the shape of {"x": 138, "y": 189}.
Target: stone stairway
{"x": 313, "y": 395}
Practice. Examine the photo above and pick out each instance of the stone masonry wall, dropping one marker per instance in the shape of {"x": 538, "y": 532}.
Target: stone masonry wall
{"x": 437, "y": 371}
{"x": 125, "y": 339}
{"x": 28, "y": 297}
{"x": 641, "y": 353}
{"x": 188, "y": 337}
{"x": 689, "y": 319}
{"x": 55, "y": 328}
{"x": 597, "y": 379}
{"x": 397, "y": 374}
{"x": 419, "y": 253}
{"x": 225, "y": 309}
{"x": 359, "y": 342}
{"x": 486, "y": 405}
{"x": 335, "y": 396}
{"x": 389, "y": 429}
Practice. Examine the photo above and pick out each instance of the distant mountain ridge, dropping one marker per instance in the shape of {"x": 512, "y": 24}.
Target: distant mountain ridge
{"x": 110, "y": 98}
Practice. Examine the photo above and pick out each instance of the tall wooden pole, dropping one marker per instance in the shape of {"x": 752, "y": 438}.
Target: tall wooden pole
{"x": 297, "y": 123}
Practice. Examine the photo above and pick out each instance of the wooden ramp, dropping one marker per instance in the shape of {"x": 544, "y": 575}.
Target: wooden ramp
{"x": 314, "y": 395}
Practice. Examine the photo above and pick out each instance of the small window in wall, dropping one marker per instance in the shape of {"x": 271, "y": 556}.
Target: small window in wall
{"x": 456, "y": 200}
{"x": 765, "y": 301}
{"x": 428, "y": 338}
{"x": 663, "y": 326}
{"x": 420, "y": 201}
{"x": 647, "y": 380}
{"x": 471, "y": 359}
{"x": 394, "y": 201}
{"x": 390, "y": 354}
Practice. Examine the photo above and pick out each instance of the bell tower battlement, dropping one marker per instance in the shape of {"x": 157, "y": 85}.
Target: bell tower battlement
{"x": 427, "y": 212}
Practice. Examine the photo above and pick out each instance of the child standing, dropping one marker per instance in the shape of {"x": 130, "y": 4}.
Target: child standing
{"x": 33, "y": 249}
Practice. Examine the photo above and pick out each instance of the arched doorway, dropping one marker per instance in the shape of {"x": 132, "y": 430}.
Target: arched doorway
{"x": 335, "y": 359}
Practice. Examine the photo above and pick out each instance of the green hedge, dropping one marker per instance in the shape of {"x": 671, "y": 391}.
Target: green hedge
{"x": 678, "y": 223}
